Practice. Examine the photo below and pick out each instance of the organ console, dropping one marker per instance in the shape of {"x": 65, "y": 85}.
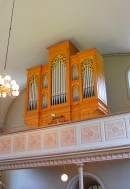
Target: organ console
{"x": 70, "y": 87}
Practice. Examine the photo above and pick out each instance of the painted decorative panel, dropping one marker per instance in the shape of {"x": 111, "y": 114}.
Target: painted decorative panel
{"x": 19, "y": 143}
{"x": 5, "y": 145}
{"x": 34, "y": 141}
{"x": 103, "y": 133}
{"x": 50, "y": 139}
{"x": 68, "y": 136}
{"x": 90, "y": 133}
{"x": 115, "y": 129}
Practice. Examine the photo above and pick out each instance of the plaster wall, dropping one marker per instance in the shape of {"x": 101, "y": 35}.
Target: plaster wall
{"x": 113, "y": 174}
{"x": 15, "y": 115}
{"x": 116, "y": 82}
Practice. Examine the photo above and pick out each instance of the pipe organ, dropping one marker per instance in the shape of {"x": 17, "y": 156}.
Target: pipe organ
{"x": 70, "y": 87}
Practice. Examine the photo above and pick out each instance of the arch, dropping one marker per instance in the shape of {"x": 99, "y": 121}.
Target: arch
{"x": 74, "y": 180}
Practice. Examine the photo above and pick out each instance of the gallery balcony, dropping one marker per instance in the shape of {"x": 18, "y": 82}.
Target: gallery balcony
{"x": 98, "y": 139}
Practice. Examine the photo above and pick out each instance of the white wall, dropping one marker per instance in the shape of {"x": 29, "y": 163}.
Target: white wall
{"x": 15, "y": 116}
{"x": 115, "y": 74}
{"x": 114, "y": 175}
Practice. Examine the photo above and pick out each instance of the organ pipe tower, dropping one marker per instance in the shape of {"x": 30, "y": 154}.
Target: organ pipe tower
{"x": 70, "y": 87}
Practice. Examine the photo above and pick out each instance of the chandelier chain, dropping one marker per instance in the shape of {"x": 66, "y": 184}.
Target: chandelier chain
{"x": 8, "y": 86}
{"x": 10, "y": 27}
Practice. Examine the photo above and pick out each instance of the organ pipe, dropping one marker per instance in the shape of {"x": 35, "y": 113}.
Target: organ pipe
{"x": 32, "y": 103}
{"x": 87, "y": 78}
{"x": 59, "y": 81}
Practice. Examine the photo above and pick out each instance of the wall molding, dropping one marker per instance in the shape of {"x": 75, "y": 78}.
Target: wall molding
{"x": 102, "y": 139}
{"x": 116, "y": 54}
{"x": 66, "y": 158}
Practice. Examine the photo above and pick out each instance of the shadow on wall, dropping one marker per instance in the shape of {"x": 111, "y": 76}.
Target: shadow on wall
{"x": 15, "y": 115}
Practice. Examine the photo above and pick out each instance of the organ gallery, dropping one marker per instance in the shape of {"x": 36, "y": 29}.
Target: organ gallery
{"x": 70, "y": 87}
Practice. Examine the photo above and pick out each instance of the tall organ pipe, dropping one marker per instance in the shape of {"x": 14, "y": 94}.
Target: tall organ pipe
{"x": 52, "y": 81}
{"x": 59, "y": 81}
{"x": 65, "y": 84}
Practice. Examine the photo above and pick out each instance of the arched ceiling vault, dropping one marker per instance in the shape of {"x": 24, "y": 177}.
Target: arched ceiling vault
{"x": 40, "y": 24}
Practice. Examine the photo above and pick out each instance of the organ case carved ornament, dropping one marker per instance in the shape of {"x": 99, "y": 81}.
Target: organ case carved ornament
{"x": 58, "y": 58}
{"x": 87, "y": 63}
{"x": 69, "y": 87}
{"x": 33, "y": 79}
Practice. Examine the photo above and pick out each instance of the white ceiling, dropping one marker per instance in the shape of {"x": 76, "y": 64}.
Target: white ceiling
{"x": 38, "y": 24}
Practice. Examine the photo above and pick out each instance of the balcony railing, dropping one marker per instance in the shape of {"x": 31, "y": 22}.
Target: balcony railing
{"x": 101, "y": 133}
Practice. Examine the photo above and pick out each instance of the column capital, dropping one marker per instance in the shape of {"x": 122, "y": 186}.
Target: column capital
{"x": 80, "y": 164}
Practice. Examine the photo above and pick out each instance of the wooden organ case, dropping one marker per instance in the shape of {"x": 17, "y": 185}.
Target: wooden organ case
{"x": 70, "y": 87}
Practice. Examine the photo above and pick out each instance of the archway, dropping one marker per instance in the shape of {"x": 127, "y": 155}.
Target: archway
{"x": 89, "y": 180}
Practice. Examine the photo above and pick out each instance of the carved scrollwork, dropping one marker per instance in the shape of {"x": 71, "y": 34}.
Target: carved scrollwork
{"x": 87, "y": 63}
{"x": 45, "y": 94}
{"x": 33, "y": 79}
{"x": 60, "y": 57}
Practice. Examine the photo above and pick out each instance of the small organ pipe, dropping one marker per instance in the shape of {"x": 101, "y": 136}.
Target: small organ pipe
{"x": 88, "y": 81}
{"x": 84, "y": 89}
{"x": 54, "y": 71}
{"x": 57, "y": 92}
{"x": 52, "y": 85}
{"x": 32, "y": 97}
{"x": 65, "y": 84}
{"x": 59, "y": 81}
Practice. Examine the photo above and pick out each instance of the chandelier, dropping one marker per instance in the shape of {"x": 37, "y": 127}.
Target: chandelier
{"x": 7, "y": 86}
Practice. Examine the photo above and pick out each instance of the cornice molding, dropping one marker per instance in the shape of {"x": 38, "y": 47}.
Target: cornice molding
{"x": 66, "y": 158}
{"x": 116, "y": 54}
